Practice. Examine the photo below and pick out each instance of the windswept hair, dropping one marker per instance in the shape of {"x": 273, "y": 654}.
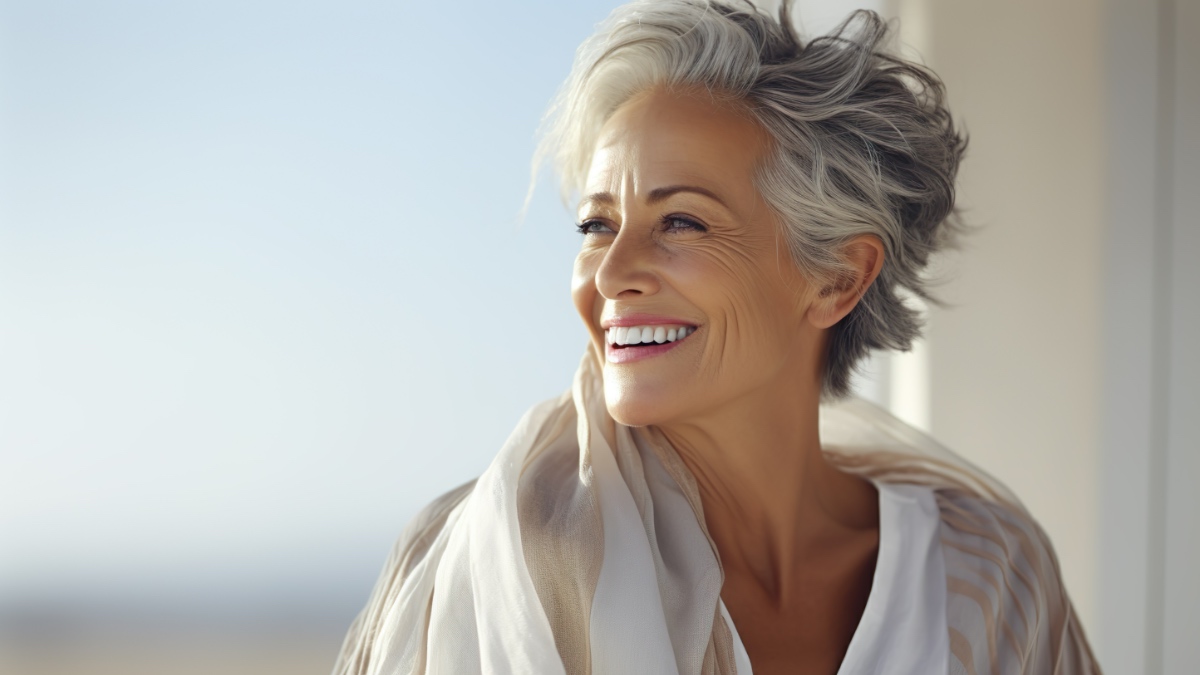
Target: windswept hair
{"x": 861, "y": 141}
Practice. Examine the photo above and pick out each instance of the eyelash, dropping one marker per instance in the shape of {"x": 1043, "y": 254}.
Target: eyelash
{"x": 582, "y": 228}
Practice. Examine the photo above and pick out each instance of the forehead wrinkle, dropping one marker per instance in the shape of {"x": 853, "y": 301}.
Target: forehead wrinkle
{"x": 601, "y": 198}
{"x": 611, "y": 165}
{"x": 636, "y": 163}
{"x": 687, "y": 181}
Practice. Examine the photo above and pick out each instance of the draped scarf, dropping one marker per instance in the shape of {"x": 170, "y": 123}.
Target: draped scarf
{"x": 582, "y": 550}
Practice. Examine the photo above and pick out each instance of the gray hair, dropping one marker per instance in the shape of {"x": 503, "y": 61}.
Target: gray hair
{"x": 862, "y": 141}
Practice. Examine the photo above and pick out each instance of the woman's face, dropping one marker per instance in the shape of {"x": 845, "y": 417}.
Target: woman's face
{"x": 678, "y": 241}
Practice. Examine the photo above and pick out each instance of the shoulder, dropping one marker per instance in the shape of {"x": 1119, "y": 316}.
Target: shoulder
{"x": 1007, "y": 608}
{"x": 997, "y": 541}
{"x": 543, "y": 428}
{"x": 413, "y": 546}
{"x": 423, "y": 529}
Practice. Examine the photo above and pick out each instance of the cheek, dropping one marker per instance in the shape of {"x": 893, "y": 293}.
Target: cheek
{"x": 583, "y": 288}
{"x": 754, "y": 311}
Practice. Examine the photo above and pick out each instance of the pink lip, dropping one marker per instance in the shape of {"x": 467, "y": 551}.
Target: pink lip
{"x": 639, "y": 352}
{"x": 642, "y": 320}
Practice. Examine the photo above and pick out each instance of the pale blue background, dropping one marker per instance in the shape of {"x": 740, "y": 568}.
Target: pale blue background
{"x": 262, "y": 288}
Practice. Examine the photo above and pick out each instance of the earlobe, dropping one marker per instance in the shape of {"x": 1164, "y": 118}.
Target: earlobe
{"x": 864, "y": 258}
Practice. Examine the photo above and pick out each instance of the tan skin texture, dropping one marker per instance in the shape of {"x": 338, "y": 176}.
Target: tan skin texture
{"x": 797, "y": 538}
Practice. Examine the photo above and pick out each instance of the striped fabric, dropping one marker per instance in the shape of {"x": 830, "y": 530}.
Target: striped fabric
{"x": 582, "y": 550}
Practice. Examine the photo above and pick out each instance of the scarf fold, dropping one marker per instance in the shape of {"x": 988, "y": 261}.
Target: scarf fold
{"x": 582, "y": 550}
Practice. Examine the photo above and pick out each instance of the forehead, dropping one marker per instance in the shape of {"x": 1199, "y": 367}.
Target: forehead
{"x": 661, "y": 138}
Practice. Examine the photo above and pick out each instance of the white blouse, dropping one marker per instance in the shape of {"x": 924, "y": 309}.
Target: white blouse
{"x": 903, "y": 629}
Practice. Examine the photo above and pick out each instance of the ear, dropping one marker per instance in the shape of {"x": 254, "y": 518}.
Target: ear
{"x": 864, "y": 257}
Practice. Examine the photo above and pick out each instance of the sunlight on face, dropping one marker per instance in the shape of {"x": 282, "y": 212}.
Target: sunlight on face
{"x": 677, "y": 236}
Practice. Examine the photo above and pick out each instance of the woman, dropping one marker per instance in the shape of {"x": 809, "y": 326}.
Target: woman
{"x": 753, "y": 211}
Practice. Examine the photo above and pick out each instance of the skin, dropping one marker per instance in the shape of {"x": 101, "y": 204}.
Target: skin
{"x": 738, "y": 399}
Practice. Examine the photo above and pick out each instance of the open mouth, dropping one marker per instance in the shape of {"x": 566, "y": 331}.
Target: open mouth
{"x": 620, "y": 337}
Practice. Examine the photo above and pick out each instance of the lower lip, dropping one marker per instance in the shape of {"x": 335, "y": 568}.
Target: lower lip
{"x": 639, "y": 352}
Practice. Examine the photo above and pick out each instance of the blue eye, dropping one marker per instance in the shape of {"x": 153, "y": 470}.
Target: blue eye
{"x": 588, "y": 227}
{"x": 678, "y": 223}
{"x": 671, "y": 223}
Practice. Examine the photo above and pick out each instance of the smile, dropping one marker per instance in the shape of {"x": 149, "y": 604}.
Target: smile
{"x": 622, "y": 336}
{"x": 633, "y": 343}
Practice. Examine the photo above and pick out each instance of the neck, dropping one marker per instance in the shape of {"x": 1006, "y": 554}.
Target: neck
{"x": 770, "y": 497}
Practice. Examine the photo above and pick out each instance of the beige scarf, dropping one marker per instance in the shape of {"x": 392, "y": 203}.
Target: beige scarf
{"x": 582, "y": 549}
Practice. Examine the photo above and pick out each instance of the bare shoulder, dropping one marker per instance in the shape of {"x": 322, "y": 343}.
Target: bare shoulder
{"x": 1007, "y": 607}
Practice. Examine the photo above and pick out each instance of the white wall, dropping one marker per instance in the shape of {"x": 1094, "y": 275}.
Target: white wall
{"x": 1068, "y": 365}
{"x": 1150, "y": 545}
{"x": 1181, "y": 551}
{"x": 1015, "y": 361}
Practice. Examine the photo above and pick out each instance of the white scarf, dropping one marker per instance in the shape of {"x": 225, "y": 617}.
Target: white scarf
{"x": 582, "y": 550}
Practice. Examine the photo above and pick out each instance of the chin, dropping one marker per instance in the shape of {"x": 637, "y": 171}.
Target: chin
{"x": 639, "y": 408}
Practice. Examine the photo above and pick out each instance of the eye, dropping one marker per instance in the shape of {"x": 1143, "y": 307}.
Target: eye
{"x": 591, "y": 227}
{"x": 678, "y": 223}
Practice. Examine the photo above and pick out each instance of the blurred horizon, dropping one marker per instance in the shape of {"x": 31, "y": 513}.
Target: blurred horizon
{"x": 253, "y": 259}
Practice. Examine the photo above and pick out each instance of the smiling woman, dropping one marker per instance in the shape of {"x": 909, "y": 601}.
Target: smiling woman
{"x": 706, "y": 499}
{"x": 701, "y": 249}
{"x": 677, "y": 233}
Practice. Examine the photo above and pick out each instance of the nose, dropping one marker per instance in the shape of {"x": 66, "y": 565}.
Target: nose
{"x": 628, "y": 268}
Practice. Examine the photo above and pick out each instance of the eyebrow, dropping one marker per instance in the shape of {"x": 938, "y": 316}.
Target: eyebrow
{"x": 656, "y": 195}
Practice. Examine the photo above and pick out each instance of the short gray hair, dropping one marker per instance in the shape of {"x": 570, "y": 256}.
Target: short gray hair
{"x": 862, "y": 141}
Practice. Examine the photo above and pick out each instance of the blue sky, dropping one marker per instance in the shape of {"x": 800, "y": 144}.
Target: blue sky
{"x": 262, "y": 288}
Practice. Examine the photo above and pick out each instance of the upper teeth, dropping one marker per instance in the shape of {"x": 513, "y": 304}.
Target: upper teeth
{"x": 633, "y": 335}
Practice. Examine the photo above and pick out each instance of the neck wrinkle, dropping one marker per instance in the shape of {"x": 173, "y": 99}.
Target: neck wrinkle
{"x": 766, "y": 509}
